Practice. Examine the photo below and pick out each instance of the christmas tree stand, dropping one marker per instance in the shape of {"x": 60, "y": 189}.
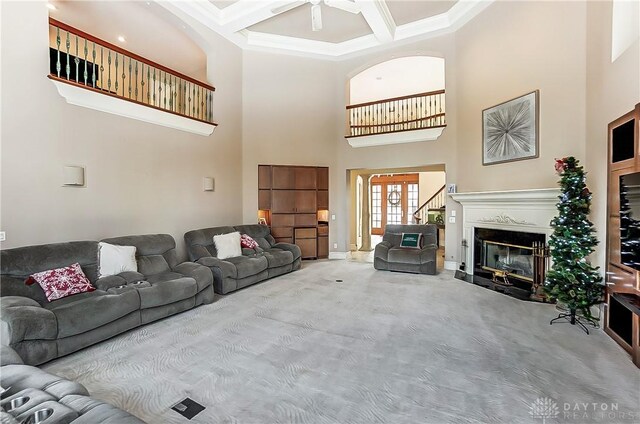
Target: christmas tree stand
{"x": 571, "y": 318}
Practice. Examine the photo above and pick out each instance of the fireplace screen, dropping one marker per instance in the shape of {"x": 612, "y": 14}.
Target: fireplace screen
{"x": 517, "y": 261}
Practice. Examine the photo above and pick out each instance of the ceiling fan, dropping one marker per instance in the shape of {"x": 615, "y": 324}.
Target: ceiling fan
{"x": 316, "y": 11}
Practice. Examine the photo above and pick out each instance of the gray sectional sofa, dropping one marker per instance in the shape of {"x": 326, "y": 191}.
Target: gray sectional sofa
{"x": 268, "y": 260}
{"x": 41, "y": 331}
{"x": 388, "y": 254}
{"x": 32, "y": 391}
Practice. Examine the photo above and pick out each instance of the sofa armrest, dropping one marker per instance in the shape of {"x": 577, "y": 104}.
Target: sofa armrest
{"x": 198, "y": 272}
{"x": 8, "y": 356}
{"x": 24, "y": 319}
{"x": 294, "y": 249}
{"x": 109, "y": 282}
{"x": 382, "y": 250}
{"x": 210, "y": 261}
{"x": 428, "y": 251}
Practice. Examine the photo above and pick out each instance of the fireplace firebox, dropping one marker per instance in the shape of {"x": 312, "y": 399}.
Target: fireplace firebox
{"x": 512, "y": 262}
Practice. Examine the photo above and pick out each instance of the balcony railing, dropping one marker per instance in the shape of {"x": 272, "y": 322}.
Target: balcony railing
{"x": 80, "y": 59}
{"x": 406, "y": 113}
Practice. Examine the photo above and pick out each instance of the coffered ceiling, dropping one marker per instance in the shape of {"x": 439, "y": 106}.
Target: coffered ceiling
{"x": 348, "y": 26}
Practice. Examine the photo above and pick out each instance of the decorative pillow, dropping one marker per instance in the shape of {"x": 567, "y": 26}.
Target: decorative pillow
{"x": 62, "y": 282}
{"x": 411, "y": 240}
{"x": 228, "y": 245}
{"x": 115, "y": 259}
{"x": 247, "y": 242}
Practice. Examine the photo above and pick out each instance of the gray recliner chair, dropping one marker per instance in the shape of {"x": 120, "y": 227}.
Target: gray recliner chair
{"x": 390, "y": 256}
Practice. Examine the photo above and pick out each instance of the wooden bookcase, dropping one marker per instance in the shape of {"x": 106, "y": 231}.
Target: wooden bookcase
{"x": 622, "y": 315}
{"x": 295, "y": 202}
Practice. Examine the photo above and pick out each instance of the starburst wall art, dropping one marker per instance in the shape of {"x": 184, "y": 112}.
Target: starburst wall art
{"x": 510, "y": 130}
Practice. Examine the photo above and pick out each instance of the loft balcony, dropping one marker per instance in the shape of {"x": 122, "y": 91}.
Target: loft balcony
{"x": 93, "y": 73}
{"x": 406, "y": 119}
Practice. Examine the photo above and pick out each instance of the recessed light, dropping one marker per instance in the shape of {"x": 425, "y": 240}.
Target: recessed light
{"x": 51, "y": 7}
{"x": 121, "y": 38}
{"x": 379, "y": 78}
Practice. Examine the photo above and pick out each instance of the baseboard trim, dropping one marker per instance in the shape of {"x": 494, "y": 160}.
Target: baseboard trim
{"x": 337, "y": 255}
{"x": 450, "y": 265}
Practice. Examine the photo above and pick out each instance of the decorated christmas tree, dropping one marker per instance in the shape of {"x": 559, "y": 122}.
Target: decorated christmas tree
{"x": 572, "y": 280}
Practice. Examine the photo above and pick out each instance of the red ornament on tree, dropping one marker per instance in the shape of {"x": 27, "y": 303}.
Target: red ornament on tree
{"x": 560, "y": 166}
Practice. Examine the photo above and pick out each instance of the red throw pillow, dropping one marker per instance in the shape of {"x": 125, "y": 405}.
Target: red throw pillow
{"x": 62, "y": 282}
{"x": 247, "y": 242}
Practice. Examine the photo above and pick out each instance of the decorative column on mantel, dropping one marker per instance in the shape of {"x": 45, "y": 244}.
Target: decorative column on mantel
{"x": 514, "y": 210}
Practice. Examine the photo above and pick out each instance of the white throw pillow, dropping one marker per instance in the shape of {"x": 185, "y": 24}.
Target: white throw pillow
{"x": 116, "y": 259}
{"x": 228, "y": 245}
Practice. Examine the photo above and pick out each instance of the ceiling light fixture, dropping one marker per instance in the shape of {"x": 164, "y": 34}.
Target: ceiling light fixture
{"x": 121, "y": 38}
{"x": 51, "y": 6}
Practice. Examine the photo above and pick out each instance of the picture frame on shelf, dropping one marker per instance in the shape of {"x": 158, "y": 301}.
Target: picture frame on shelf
{"x": 510, "y": 130}
{"x": 262, "y": 221}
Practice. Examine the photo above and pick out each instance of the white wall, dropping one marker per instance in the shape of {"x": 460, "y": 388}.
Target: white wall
{"x": 141, "y": 178}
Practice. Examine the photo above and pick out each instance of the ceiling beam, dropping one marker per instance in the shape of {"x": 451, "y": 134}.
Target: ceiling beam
{"x": 379, "y": 18}
{"x": 245, "y": 13}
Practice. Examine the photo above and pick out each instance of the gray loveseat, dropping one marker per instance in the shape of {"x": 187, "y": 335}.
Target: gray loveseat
{"x": 268, "y": 260}
{"x": 390, "y": 256}
{"x": 31, "y": 390}
{"x": 40, "y": 330}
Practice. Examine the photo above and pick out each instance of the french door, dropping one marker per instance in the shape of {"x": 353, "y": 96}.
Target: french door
{"x": 394, "y": 199}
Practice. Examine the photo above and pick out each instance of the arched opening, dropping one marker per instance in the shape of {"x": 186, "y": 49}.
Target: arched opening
{"x": 397, "y": 77}
{"x": 401, "y": 100}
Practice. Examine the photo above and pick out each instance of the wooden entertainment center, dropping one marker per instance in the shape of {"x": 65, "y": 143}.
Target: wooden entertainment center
{"x": 294, "y": 201}
{"x": 622, "y": 315}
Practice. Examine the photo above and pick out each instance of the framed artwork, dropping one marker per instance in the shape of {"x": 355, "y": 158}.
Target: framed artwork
{"x": 510, "y": 130}
{"x": 262, "y": 221}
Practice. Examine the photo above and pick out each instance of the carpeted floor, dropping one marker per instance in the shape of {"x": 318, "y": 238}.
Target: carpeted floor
{"x": 379, "y": 347}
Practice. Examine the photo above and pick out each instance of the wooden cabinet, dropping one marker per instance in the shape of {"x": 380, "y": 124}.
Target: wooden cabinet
{"x": 293, "y": 195}
{"x": 305, "y": 238}
{"x": 622, "y": 312}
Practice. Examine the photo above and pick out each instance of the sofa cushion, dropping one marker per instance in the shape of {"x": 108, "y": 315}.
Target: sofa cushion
{"x": 260, "y": 233}
{"x": 405, "y": 256}
{"x": 247, "y": 242}
{"x": 228, "y": 245}
{"x": 247, "y": 266}
{"x": 167, "y": 287}
{"x": 411, "y": 240}
{"x": 113, "y": 259}
{"x": 62, "y": 282}
{"x": 200, "y": 242}
{"x": 87, "y": 311}
{"x": 278, "y": 257}
{"x": 155, "y": 253}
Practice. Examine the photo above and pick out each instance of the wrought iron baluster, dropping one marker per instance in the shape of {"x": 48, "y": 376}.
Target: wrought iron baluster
{"x": 165, "y": 91}
{"x": 148, "y": 85}
{"x": 58, "y": 63}
{"x": 77, "y": 61}
{"x": 93, "y": 66}
{"x": 68, "y": 67}
{"x": 193, "y": 112}
{"x": 86, "y": 51}
{"x": 109, "y": 80}
{"x": 170, "y": 93}
{"x": 101, "y": 68}
{"x": 117, "y": 76}
{"x": 136, "y": 92}
{"x": 124, "y": 67}
{"x": 154, "y": 87}
{"x": 130, "y": 67}
{"x": 189, "y": 93}
{"x": 198, "y": 105}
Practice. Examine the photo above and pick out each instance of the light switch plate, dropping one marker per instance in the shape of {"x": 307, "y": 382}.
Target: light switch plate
{"x": 3, "y": 236}
{"x": 453, "y": 213}
{"x": 452, "y": 220}
{"x": 333, "y": 217}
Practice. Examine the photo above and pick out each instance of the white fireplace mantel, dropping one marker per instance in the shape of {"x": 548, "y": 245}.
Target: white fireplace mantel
{"x": 514, "y": 210}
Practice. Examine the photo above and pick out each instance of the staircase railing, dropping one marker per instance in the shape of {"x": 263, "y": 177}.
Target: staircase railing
{"x": 406, "y": 113}
{"x": 435, "y": 202}
{"x": 85, "y": 61}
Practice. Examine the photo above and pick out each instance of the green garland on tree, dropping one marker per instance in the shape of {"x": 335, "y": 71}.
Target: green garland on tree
{"x": 572, "y": 279}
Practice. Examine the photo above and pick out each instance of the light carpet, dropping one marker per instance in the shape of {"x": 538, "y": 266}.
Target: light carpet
{"x": 380, "y": 347}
